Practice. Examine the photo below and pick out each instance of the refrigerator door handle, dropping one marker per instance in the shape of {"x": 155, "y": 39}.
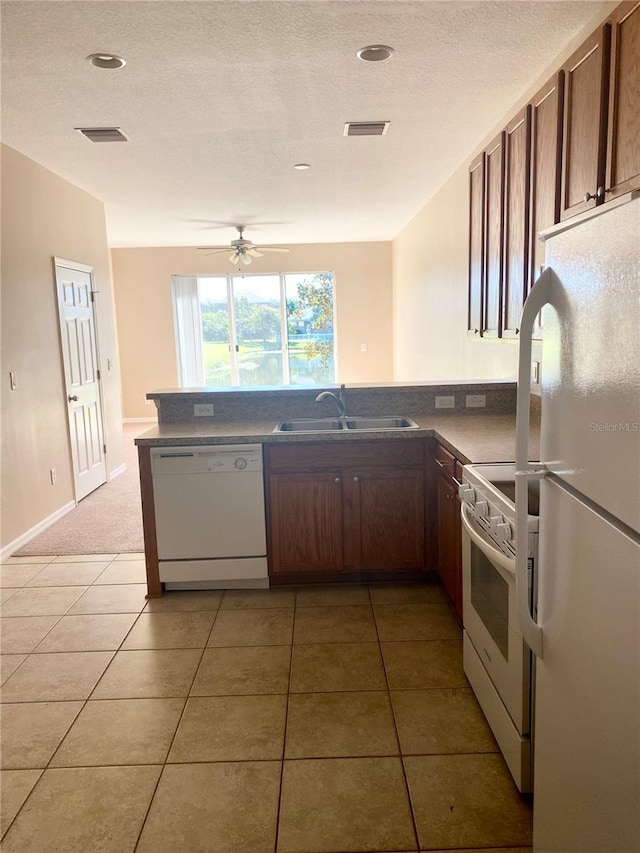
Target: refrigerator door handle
{"x": 531, "y": 630}
{"x": 541, "y": 295}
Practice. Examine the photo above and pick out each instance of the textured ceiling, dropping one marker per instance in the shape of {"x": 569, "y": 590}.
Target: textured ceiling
{"x": 220, "y": 99}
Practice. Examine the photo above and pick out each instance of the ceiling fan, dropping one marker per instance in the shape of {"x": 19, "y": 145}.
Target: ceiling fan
{"x": 241, "y": 249}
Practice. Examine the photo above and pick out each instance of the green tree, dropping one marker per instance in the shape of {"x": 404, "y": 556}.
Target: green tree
{"x": 215, "y": 326}
{"x": 316, "y": 296}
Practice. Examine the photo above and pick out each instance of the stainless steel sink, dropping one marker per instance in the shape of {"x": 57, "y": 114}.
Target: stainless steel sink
{"x": 355, "y": 423}
{"x": 381, "y": 423}
{"x": 309, "y": 425}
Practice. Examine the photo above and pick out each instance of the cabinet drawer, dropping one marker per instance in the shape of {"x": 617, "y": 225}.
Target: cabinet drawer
{"x": 445, "y": 461}
{"x": 331, "y": 456}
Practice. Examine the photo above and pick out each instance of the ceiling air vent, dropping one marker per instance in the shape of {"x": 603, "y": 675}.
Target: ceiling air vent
{"x": 103, "y": 134}
{"x": 366, "y": 128}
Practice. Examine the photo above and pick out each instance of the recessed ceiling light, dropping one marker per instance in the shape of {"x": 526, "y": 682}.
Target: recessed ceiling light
{"x": 106, "y": 60}
{"x": 375, "y": 53}
{"x": 302, "y": 166}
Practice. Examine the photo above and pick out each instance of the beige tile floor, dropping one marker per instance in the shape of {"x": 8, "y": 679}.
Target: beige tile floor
{"x": 318, "y": 720}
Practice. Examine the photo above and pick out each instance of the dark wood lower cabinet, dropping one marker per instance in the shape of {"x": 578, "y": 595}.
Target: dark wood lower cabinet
{"x": 365, "y": 517}
{"x": 448, "y": 551}
{"x": 385, "y": 508}
{"x": 305, "y": 515}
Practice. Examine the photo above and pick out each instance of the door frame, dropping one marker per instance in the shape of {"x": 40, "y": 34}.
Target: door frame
{"x": 86, "y": 268}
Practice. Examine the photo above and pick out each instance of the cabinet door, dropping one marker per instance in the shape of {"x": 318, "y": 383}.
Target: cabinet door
{"x": 516, "y": 221}
{"x": 449, "y": 546}
{"x": 494, "y": 231}
{"x": 623, "y": 148}
{"x": 476, "y": 246}
{"x": 585, "y": 121}
{"x": 305, "y": 514}
{"x": 384, "y": 518}
{"x": 546, "y": 156}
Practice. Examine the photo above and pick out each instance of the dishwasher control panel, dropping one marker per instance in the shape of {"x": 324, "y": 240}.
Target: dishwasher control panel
{"x": 202, "y": 460}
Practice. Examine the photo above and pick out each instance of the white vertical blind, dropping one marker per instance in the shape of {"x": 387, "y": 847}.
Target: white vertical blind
{"x": 188, "y": 327}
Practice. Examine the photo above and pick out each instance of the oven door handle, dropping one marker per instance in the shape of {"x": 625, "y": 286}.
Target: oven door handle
{"x": 491, "y": 553}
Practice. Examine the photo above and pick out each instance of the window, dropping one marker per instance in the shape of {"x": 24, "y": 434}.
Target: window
{"x": 254, "y": 329}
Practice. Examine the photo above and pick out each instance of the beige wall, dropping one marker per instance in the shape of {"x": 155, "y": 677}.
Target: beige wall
{"x": 142, "y": 283}
{"x": 430, "y": 264}
{"x": 44, "y": 216}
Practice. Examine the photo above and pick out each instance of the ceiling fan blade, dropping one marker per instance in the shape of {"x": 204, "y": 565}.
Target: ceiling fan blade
{"x": 254, "y": 253}
{"x": 234, "y": 258}
{"x": 213, "y": 248}
{"x": 272, "y": 249}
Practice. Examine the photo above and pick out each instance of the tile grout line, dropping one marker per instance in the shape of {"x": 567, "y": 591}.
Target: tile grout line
{"x": 82, "y": 707}
{"x": 286, "y": 724}
{"x": 184, "y": 707}
{"x": 395, "y": 726}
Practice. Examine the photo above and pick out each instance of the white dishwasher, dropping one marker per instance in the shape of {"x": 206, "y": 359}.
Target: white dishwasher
{"x": 210, "y": 516}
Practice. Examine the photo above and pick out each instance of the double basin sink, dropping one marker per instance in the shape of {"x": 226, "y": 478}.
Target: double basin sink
{"x": 346, "y": 423}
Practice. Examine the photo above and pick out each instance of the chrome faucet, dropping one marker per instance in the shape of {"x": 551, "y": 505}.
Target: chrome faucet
{"x": 340, "y": 400}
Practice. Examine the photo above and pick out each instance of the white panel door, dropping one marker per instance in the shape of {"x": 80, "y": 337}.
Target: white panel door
{"x": 82, "y": 377}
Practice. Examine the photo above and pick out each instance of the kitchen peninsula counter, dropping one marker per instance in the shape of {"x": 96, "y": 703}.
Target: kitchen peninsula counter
{"x": 471, "y": 438}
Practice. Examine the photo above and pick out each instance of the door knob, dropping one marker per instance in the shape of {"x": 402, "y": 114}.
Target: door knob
{"x": 355, "y": 479}
{"x": 72, "y": 398}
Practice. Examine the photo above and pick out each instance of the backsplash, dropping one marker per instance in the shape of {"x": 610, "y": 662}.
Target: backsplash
{"x": 177, "y": 406}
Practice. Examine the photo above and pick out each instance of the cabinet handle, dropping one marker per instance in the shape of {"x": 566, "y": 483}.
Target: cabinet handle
{"x": 600, "y": 192}
{"x": 355, "y": 479}
{"x": 450, "y": 497}
{"x": 337, "y": 480}
{"x": 439, "y": 463}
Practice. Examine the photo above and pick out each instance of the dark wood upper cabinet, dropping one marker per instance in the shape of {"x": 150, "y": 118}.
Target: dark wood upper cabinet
{"x": 476, "y": 246}
{"x": 517, "y": 154}
{"x": 585, "y": 122}
{"x": 494, "y": 231}
{"x": 546, "y": 152}
{"x": 623, "y": 148}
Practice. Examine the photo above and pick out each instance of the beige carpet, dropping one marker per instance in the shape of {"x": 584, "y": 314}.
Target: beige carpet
{"x": 108, "y": 521}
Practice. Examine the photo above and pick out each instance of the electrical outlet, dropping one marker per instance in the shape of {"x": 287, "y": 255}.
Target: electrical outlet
{"x": 445, "y": 402}
{"x": 109, "y": 364}
{"x": 202, "y": 410}
{"x": 363, "y": 347}
{"x": 13, "y": 381}
{"x": 475, "y": 401}
{"x": 53, "y": 474}
{"x": 535, "y": 372}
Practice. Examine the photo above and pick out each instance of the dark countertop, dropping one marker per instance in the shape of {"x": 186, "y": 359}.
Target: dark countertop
{"x": 471, "y": 438}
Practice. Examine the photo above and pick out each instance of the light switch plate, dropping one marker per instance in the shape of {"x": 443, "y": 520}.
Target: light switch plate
{"x": 445, "y": 402}
{"x": 202, "y": 410}
{"x": 475, "y": 401}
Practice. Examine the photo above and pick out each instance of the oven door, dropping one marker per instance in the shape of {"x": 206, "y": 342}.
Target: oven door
{"x": 491, "y": 620}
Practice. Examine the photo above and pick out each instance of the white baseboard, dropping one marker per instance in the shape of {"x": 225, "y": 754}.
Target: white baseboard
{"x": 117, "y": 471}
{"x": 139, "y": 420}
{"x": 14, "y": 546}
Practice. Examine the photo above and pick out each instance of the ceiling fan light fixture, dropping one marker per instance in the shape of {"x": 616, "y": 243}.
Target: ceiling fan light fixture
{"x": 106, "y": 60}
{"x": 375, "y": 53}
{"x": 244, "y": 257}
{"x": 234, "y": 258}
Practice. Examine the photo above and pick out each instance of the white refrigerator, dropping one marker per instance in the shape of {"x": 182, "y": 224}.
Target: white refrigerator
{"x": 585, "y": 630}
